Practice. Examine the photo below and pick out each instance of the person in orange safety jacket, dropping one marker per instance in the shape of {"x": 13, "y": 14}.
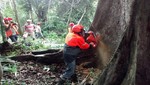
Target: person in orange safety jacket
{"x": 11, "y": 29}
{"x": 91, "y": 38}
{"x": 7, "y": 25}
{"x": 74, "y": 43}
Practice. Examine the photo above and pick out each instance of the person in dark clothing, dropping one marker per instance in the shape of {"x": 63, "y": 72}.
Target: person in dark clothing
{"x": 74, "y": 43}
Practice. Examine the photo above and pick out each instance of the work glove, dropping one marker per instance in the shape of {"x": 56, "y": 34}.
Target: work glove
{"x": 91, "y": 38}
{"x": 92, "y": 44}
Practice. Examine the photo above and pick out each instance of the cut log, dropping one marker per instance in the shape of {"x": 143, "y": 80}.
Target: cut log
{"x": 47, "y": 51}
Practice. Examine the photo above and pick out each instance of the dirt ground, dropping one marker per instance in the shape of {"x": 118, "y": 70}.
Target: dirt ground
{"x": 32, "y": 73}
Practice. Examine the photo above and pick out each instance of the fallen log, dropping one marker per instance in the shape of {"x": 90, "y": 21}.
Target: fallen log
{"x": 46, "y": 57}
{"x": 55, "y": 56}
{"x": 47, "y": 51}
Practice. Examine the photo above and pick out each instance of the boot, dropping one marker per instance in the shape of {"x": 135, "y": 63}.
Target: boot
{"x": 74, "y": 78}
{"x": 74, "y": 83}
{"x": 61, "y": 82}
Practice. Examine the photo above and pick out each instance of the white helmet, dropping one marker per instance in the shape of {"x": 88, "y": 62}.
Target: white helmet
{"x": 29, "y": 20}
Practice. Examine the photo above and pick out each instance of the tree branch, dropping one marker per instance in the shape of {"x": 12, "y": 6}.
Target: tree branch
{"x": 82, "y": 16}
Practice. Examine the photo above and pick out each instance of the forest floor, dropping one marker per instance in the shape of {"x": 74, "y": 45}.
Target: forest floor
{"x": 34, "y": 73}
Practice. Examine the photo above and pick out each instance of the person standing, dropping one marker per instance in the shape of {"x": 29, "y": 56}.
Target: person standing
{"x": 7, "y": 25}
{"x": 11, "y": 29}
{"x": 29, "y": 30}
{"x": 74, "y": 43}
{"x": 70, "y": 27}
{"x": 14, "y": 30}
{"x": 38, "y": 31}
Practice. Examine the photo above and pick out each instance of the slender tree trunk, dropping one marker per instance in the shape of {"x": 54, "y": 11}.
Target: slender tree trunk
{"x": 70, "y": 12}
{"x": 41, "y": 9}
{"x": 16, "y": 15}
{"x": 46, "y": 10}
{"x": 2, "y": 28}
{"x": 30, "y": 10}
{"x": 124, "y": 25}
{"x": 10, "y": 4}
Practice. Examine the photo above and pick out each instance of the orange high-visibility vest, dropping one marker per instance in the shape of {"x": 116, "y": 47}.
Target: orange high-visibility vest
{"x": 8, "y": 32}
{"x": 74, "y": 40}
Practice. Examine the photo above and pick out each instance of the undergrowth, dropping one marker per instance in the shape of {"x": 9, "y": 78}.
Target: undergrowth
{"x": 51, "y": 41}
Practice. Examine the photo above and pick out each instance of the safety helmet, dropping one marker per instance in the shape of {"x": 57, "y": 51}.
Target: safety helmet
{"x": 90, "y": 32}
{"x": 7, "y": 19}
{"x": 29, "y": 20}
{"x": 77, "y": 28}
{"x": 71, "y": 24}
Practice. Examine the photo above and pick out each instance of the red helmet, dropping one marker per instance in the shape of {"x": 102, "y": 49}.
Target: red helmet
{"x": 77, "y": 28}
{"x": 90, "y": 32}
{"x": 71, "y": 24}
{"x": 7, "y": 19}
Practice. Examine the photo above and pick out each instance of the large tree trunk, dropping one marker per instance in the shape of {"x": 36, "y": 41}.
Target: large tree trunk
{"x": 125, "y": 30}
{"x": 143, "y": 57}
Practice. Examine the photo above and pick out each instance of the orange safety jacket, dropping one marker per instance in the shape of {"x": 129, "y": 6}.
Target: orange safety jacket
{"x": 8, "y": 33}
{"x": 74, "y": 40}
{"x": 8, "y": 30}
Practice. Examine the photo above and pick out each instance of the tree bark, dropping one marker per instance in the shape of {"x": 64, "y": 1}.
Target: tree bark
{"x": 2, "y": 28}
{"x": 143, "y": 61}
{"x": 123, "y": 52}
{"x": 16, "y": 15}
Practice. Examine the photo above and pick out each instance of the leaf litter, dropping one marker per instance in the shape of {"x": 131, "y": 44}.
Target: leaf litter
{"x": 33, "y": 73}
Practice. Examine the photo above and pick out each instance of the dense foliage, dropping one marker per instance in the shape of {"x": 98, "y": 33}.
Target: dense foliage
{"x": 54, "y": 14}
